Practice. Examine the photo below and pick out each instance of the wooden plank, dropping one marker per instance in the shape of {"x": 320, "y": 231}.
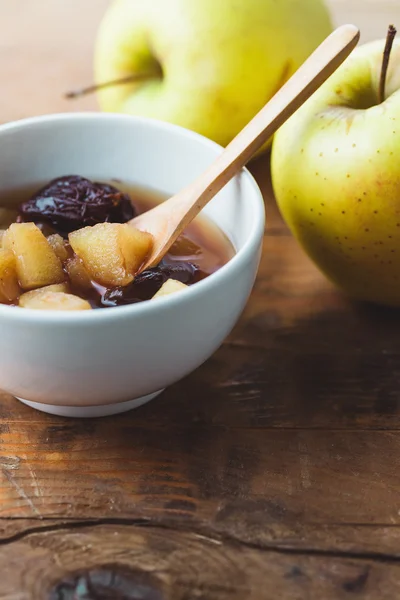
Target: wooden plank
{"x": 220, "y": 474}
{"x": 154, "y": 564}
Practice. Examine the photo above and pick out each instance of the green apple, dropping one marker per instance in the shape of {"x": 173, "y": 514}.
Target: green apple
{"x": 336, "y": 176}
{"x": 207, "y": 65}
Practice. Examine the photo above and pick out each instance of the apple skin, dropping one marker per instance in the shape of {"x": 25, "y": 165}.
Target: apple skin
{"x": 213, "y": 63}
{"x": 336, "y": 176}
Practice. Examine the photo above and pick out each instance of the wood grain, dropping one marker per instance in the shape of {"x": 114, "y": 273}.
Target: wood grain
{"x": 273, "y": 471}
{"x": 156, "y": 564}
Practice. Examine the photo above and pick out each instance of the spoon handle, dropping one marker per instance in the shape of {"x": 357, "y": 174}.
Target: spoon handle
{"x": 306, "y": 80}
{"x": 169, "y": 219}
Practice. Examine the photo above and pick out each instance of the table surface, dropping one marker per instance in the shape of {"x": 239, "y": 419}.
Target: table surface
{"x": 270, "y": 472}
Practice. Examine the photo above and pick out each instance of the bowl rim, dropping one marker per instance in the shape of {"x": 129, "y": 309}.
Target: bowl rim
{"x": 235, "y": 264}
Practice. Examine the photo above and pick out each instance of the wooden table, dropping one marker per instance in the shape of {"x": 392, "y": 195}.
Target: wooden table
{"x": 272, "y": 472}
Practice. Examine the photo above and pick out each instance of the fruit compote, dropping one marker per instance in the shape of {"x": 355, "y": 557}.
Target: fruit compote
{"x": 69, "y": 247}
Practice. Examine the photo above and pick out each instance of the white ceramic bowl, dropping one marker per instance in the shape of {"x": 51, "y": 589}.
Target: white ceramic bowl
{"x": 102, "y": 362}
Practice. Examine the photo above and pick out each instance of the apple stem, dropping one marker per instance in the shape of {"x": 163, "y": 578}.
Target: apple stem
{"x": 391, "y": 34}
{"x": 94, "y": 88}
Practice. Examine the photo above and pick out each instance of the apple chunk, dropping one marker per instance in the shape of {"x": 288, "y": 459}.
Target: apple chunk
{"x": 77, "y": 273}
{"x": 36, "y": 262}
{"x": 170, "y": 287}
{"x": 33, "y": 295}
{"x": 50, "y": 298}
{"x": 135, "y": 246}
{"x": 9, "y": 288}
{"x": 60, "y": 246}
{"x": 111, "y": 252}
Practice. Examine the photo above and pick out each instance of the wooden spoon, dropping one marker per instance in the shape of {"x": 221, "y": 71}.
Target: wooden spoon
{"x": 168, "y": 220}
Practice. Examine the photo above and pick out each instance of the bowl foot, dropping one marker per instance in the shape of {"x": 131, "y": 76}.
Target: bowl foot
{"x": 90, "y": 411}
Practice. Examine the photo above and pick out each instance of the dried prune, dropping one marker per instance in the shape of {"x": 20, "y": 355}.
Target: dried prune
{"x": 149, "y": 282}
{"x": 72, "y": 202}
{"x": 185, "y": 272}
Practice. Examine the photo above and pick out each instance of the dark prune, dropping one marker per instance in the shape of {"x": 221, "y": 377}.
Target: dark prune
{"x": 72, "y": 202}
{"x": 185, "y": 272}
{"x": 149, "y": 282}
